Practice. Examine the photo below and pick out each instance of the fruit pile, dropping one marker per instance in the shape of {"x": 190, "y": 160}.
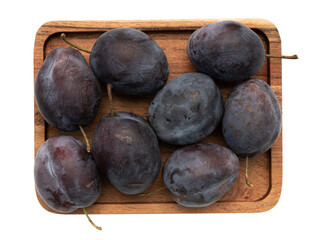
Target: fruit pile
{"x": 186, "y": 110}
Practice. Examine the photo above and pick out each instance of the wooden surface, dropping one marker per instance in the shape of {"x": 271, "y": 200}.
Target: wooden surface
{"x": 265, "y": 171}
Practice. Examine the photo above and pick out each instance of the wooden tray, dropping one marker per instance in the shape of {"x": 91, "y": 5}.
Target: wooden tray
{"x": 265, "y": 171}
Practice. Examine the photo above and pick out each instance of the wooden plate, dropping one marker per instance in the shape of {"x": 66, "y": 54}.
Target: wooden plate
{"x": 265, "y": 171}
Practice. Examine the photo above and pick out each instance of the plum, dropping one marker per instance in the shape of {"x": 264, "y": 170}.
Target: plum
{"x": 66, "y": 176}
{"x": 252, "y": 118}
{"x": 200, "y": 174}
{"x": 130, "y": 60}
{"x": 187, "y": 109}
{"x": 126, "y": 151}
{"x": 67, "y": 92}
{"x": 226, "y": 50}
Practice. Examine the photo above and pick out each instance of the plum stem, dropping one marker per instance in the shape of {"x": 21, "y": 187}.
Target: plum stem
{"x": 109, "y": 90}
{"x": 99, "y": 228}
{"x": 285, "y": 57}
{"x": 86, "y": 139}
{"x": 63, "y": 37}
{"x": 149, "y": 193}
{"x": 246, "y": 173}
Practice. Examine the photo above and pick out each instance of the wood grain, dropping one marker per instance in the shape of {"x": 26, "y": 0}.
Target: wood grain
{"x": 265, "y": 171}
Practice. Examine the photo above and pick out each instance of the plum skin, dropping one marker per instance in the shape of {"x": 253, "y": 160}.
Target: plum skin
{"x": 126, "y": 151}
{"x": 198, "y": 175}
{"x": 187, "y": 109}
{"x": 130, "y": 60}
{"x": 67, "y": 92}
{"x": 226, "y": 50}
{"x": 252, "y": 119}
{"x": 66, "y": 176}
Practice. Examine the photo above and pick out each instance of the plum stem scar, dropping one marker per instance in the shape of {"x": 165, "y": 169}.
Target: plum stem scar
{"x": 246, "y": 173}
{"x": 109, "y": 90}
{"x": 86, "y": 139}
{"x": 285, "y": 57}
{"x": 63, "y": 37}
{"x": 99, "y": 228}
{"x": 149, "y": 193}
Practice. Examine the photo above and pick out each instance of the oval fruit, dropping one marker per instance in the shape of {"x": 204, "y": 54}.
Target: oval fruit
{"x": 67, "y": 92}
{"x": 126, "y": 151}
{"x": 129, "y": 60}
{"x": 226, "y": 50}
{"x": 199, "y": 175}
{"x": 252, "y": 118}
{"x": 187, "y": 109}
{"x": 66, "y": 176}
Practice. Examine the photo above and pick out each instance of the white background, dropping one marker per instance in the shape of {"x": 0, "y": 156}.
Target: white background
{"x": 21, "y": 214}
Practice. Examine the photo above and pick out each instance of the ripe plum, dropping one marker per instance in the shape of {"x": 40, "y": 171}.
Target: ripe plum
{"x": 129, "y": 60}
{"x": 200, "y": 174}
{"x": 226, "y": 50}
{"x": 187, "y": 109}
{"x": 126, "y": 151}
{"x": 66, "y": 176}
{"x": 252, "y": 118}
{"x": 67, "y": 92}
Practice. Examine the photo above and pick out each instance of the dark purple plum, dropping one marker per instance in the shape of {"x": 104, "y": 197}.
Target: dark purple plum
{"x": 199, "y": 175}
{"x": 126, "y": 151}
{"x": 130, "y": 60}
{"x": 252, "y": 118}
{"x": 66, "y": 176}
{"x": 187, "y": 109}
{"x": 226, "y": 50}
{"x": 67, "y": 92}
